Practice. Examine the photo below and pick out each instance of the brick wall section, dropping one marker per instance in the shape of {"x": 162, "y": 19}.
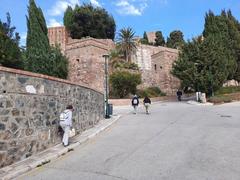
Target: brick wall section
{"x": 161, "y": 67}
{"x": 59, "y": 36}
{"x": 86, "y": 62}
{"x": 151, "y": 37}
{"x": 30, "y": 105}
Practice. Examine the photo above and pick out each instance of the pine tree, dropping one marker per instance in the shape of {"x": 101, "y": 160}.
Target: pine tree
{"x": 10, "y": 54}
{"x": 203, "y": 65}
{"x": 224, "y": 30}
{"x": 175, "y": 40}
{"x": 159, "y": 41}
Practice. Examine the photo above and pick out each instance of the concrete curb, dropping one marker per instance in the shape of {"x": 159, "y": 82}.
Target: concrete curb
{"x": 199, "y": 104}
{"x": 38, "y": 160}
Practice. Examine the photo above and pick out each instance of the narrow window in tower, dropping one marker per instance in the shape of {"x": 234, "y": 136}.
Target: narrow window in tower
{"x": 155, "y": 67}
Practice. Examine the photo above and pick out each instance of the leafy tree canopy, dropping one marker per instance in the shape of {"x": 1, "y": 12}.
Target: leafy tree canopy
{"x": 175, "y": 40}
{"x": 86, "y": 20}
{"x": 123, "y": 83}
{"x": 203, "y": 65}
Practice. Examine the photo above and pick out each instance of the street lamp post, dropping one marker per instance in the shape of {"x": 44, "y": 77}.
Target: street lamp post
{"x": 106, "y": 86}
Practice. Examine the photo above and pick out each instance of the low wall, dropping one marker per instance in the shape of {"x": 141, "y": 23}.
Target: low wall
{"x": 30, "y": 105}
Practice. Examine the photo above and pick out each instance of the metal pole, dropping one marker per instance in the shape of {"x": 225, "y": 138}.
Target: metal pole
{"x": 106, "y": 87}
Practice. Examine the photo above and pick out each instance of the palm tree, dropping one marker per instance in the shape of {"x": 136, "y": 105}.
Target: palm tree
{"x": 126, "y": 41}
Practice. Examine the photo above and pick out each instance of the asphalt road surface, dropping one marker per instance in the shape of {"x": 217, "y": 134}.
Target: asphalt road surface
{"x": 177, "y": 141}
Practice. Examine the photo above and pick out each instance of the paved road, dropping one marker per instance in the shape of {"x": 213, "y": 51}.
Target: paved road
{"x": 176, "y": 141}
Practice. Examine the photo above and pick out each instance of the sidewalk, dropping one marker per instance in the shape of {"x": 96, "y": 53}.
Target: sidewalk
{"x": 38, "y": 160}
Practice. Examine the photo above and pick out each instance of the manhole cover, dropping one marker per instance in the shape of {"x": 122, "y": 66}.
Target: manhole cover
{"x": 226, "y": 116}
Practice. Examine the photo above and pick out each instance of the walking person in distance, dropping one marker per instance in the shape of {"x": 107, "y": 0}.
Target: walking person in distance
{"x": 179, "y": 95}
{"x": 135, "y": 103}
{"x": 147, "y": 103}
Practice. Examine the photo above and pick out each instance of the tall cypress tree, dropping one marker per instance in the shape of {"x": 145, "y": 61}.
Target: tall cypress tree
{"x": 37, "y": 41}
{"x": 159, "y": 41}
{"x": 234, "y": 31}
{"x": 40, "y": 57}
{"x": 144, "y": 40}
{"x": 68, "y": 17}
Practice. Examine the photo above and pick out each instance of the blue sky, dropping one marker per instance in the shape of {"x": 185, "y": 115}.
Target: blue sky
{"x": 141, "y": 15}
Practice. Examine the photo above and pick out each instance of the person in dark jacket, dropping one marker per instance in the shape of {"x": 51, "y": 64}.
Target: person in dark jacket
{"x": 147, "y": 103}
{"x": 179, "y": 95}
{"x": 135, "y": 103}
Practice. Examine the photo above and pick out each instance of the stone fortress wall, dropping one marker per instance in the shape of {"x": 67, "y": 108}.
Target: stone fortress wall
{"x": 30, "y": 105}
{"x": 155, "y": 64}
{"x": 86, "y": 64}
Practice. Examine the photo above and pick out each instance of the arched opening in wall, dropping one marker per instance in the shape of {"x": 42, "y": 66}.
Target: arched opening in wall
{"x": 155, "y": 67}
{"x": 77, "y": 60}
{"x": 160, "y": 67}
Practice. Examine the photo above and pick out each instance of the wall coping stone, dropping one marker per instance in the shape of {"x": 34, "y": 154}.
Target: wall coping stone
{"x": 80, "y": 43}
{"x": 164, "y": 51}
{"x": 36, "y": 75}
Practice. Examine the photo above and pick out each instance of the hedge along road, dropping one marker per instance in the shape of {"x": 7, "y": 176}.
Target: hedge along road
{"x": 176, "y": 141}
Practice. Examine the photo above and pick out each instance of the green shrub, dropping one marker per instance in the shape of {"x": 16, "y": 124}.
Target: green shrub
{"x": 123, "y": 83}
{"x": 126, "y": 65}
{"x": 150, "y": 92}
{"x": 227, "y": 90}
{"x": 220, "y": 99}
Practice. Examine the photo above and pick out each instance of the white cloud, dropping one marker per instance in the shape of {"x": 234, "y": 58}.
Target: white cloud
{"x": 23, "y": 38}
{"x": 61, "y": 5}
{"x": 131, "y": 7}
{"x": 54, "y": 23}
{"x": 95, "y": 3}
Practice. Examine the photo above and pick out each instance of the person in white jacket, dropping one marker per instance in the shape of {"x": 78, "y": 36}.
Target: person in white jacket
{"x": 66, "y": 123}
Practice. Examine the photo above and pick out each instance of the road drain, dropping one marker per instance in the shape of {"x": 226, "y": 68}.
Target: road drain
{"x": 226, "y": 116}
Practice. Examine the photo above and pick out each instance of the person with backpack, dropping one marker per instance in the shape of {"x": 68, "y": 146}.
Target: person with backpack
{"x": 147, "y": 103}
{"x": 135, "y": 103}
{"x": 66, "y": 123}
{"x": 179, "y": 95}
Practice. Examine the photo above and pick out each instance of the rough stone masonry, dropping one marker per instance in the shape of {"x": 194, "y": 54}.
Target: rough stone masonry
{"x": 30, "y": 105}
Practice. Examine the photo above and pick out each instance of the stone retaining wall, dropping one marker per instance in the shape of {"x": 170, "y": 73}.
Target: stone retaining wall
{"x": 30, "y": 105}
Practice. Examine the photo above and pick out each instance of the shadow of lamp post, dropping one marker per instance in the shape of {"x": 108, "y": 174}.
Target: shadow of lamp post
{"x": 106, "y": 57}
